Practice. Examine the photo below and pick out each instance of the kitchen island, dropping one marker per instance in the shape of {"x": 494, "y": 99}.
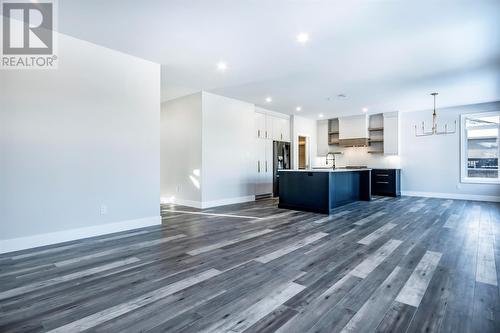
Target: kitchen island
{"x": 322, "y": 190}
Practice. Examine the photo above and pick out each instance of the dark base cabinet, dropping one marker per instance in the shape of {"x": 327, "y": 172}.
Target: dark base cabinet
{"x": 320, "y": 191}
{"x": 386, "y": 182}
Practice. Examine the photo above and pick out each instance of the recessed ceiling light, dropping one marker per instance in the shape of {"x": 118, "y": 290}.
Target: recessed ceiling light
{"x": 320, "y": 115}
{"x": 302, "y": 38}
{"x": 298, "y": 108}
{"x": 365, "y": 109}
{"x": 221, "y": 66}
{"x": 269, "y": 99}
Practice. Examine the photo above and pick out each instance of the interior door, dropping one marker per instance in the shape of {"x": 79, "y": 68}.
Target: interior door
{"x": 302, "y": 152}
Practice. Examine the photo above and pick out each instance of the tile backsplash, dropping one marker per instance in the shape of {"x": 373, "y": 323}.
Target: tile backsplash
{"x": 360, "y": 156}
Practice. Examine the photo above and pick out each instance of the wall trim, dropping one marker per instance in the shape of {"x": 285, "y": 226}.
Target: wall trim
{"x": 188, "y": 203}
{"x": 228, "y": 201}
{"x": 23, "y": 243}
{"x": 214, "y": 203}
{"x": 458, "y": 196}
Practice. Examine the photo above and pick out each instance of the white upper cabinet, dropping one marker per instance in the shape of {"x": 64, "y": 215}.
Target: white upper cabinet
{"x": 276, "y": 132}
{"x": 353, "y": 127}
{"x": 260, "y": 125}
{"x": 281, "y": 129}
{"x": 322, "y": 137}
{"x": 285, "y": 128}
{"x": 269, "y": 128}
{"x": 391, "y": 133}
{"x": 271, "y": 125}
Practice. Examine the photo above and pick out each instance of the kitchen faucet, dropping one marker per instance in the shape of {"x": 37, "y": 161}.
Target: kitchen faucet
{"x": 330, "y": 159}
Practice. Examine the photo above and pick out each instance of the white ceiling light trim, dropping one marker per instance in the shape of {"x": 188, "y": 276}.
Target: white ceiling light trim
{"x": 221, "y": 66}
{"x": 302, "y": 37}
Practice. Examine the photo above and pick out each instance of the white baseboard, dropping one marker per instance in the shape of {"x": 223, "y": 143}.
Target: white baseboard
{"x": 22, "y": 243}
{"x": 457, "y": 196}
{"x": 188, "y": 203}
{"x": 228, "y": 201}
{"x": 214, "y": 203}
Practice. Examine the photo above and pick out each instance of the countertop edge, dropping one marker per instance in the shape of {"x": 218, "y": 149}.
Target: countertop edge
{"x": 325, "y": 170}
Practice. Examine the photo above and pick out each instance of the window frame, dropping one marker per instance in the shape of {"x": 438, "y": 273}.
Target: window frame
{"x": 463, "y": 150}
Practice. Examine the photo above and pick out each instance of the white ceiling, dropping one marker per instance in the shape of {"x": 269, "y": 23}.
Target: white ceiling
{"x": 384, "y": 55}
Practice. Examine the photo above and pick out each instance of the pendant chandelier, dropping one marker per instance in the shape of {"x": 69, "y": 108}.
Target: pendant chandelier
{"x": 434, "y": 130}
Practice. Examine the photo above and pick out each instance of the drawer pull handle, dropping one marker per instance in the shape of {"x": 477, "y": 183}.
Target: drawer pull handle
{"x": 382, "y": 182}
{"x": 382, "y": 175}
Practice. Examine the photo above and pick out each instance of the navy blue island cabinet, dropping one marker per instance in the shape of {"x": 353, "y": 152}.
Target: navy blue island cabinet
{"x": 323, "y": 190}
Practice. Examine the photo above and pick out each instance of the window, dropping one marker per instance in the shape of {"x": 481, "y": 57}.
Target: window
{"x": 479, "y": 147}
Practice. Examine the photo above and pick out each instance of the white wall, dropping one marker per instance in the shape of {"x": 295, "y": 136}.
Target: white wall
{"x": 228, "y": 151}
{"x": 303, "y": 127}
{"x": 432, "y": 164}
{"x": 207, "y": 151}
{"x": 181, "y": 130}
{"x": 75, "y": 138}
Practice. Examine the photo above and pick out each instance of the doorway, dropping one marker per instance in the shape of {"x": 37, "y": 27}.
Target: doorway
{"x": 303, "y": 161}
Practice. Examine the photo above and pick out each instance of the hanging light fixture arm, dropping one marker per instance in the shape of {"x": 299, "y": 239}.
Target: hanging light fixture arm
{"x": 434, "y": 130}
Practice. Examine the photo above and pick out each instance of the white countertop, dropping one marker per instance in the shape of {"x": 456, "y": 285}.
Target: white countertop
{"x": 325, "y": 170}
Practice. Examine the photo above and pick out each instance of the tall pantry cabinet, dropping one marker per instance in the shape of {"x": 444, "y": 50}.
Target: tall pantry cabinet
{"x": 269, "y": 127}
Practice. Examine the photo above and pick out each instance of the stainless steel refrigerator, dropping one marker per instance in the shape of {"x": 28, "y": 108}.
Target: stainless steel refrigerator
{"x": 282, "y": 159}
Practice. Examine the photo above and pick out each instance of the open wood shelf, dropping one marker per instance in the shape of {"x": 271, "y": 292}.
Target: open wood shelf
{"x": 376, "y": 129}
{"x": 376, "y": 139}
{"x": 375, "y": 151}
{"x": 333, "y": 132}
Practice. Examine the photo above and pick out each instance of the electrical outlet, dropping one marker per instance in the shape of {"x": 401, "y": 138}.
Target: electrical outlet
{"x": 104, "y": 209}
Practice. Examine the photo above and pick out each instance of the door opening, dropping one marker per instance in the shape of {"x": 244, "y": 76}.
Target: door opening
{"x": 302, "y": 152}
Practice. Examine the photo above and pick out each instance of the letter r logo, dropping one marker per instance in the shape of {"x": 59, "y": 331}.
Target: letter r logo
{"x": 27, "y": 28}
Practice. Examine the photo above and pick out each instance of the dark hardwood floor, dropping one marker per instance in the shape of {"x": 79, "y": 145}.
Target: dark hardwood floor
{"x": 389, "y": 265}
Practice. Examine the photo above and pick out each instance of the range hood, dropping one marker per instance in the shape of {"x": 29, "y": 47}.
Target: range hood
{"x": 353, "y": 131}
